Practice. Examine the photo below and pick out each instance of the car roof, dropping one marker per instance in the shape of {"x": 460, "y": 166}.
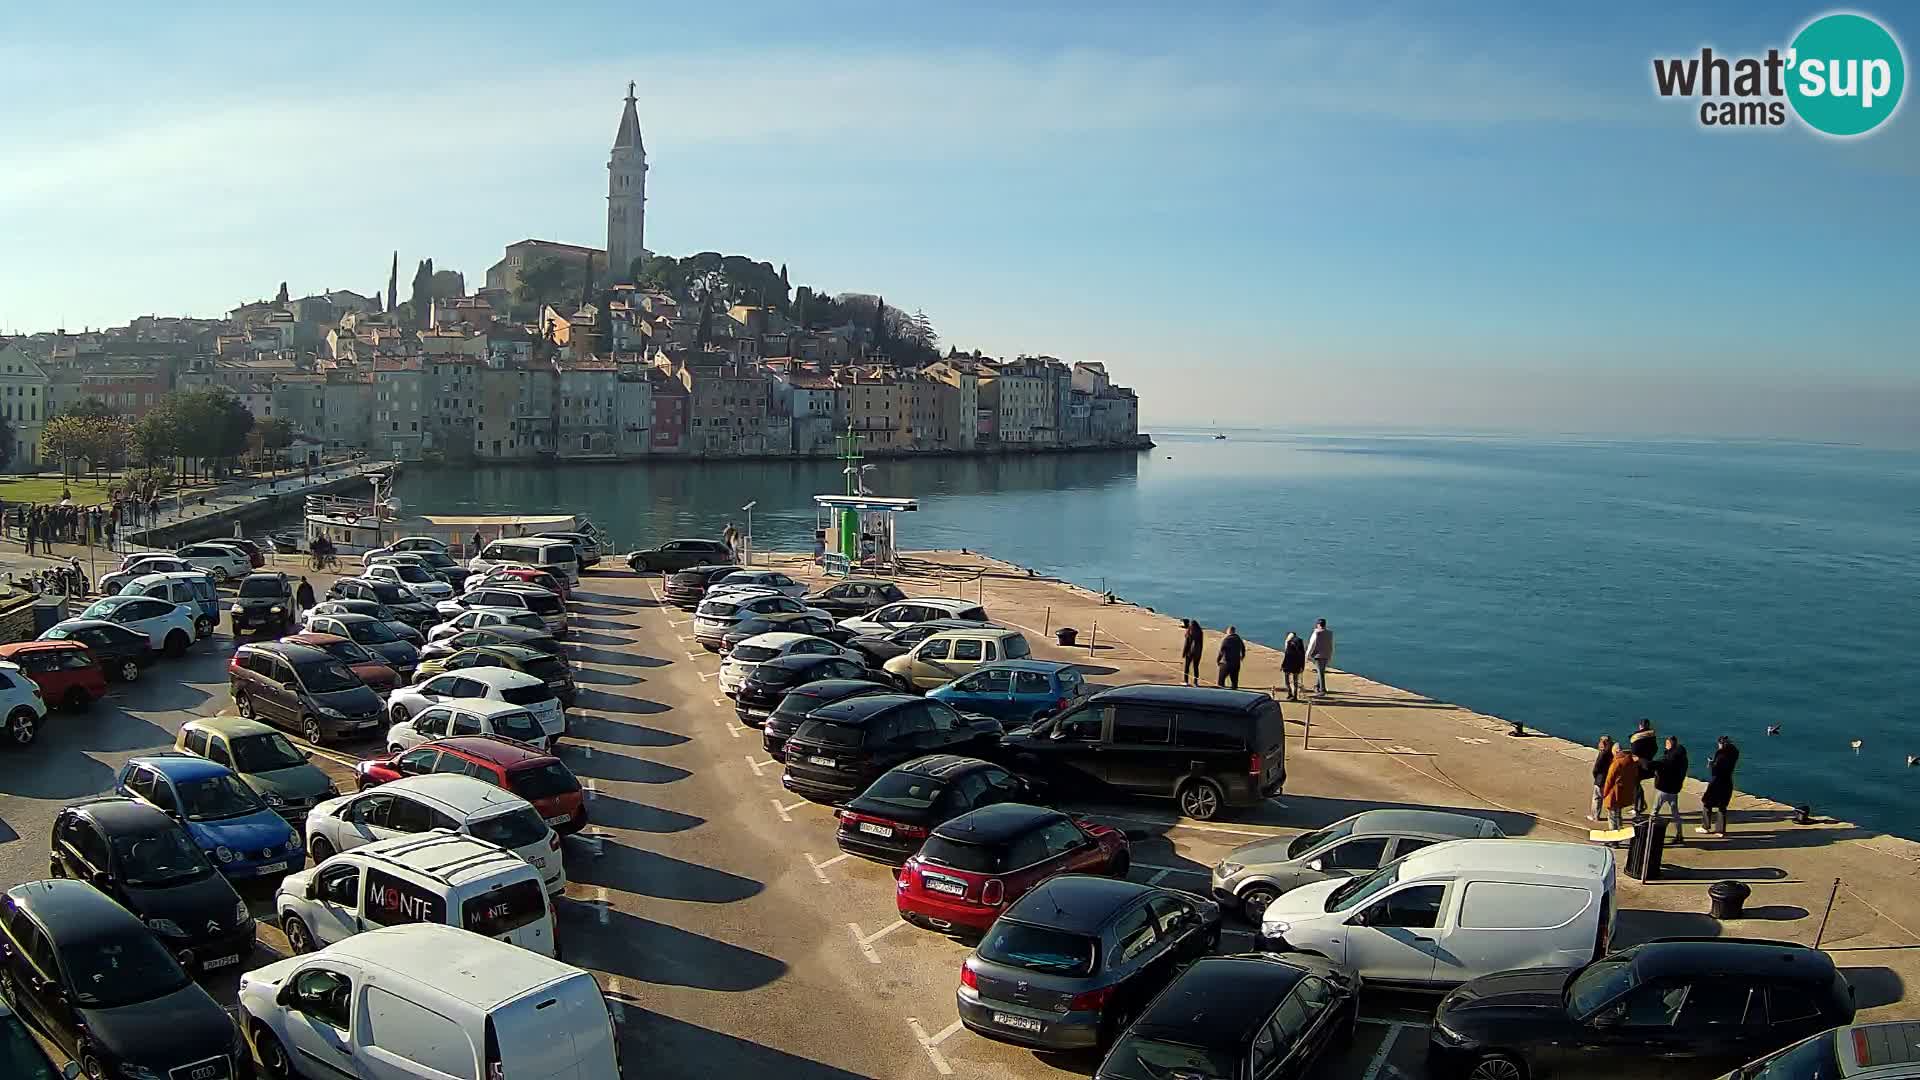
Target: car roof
{"x": 350, "y": 616}
{"x": 941, "y": 766}
{"x": 708, "y": 568}
{"x": 1435, "y": 822}
{"x": 71, "y": 910}
{"x": 515, "y": 652}
{"x": 1520, "y": 858}
{"x": 37, "y": 645}
{"x": 172, "y": 575}
{"x": 776, "y": 639}
{"x": 859, "y": 710}
{"x": 1193, "y": 696}
{"x": 465, "y": 794}
{"x": 1888, "y": 1049}
{"x": 936, "y": 601}
{"x": 511, "y": 631}
{"x": 837, "y": 689}
{"x": 293, "y": 653}
{"x": 856, "y": 581}
{"x": 997, "y": 823}
{"x": 946, "y": 624}
{"x": 114, "y": 812}
{"x": 121, "y": 599}
{"x": 275, "y": 575}
{"x": 499, "y": 678}
{"x": 1746, "y": 957}
{"x": 1077, "y": 902}
{"x": 1220, "y": 1000}
{"x": 503, "y": 752}
{"x": 175, "y": 766}
{"x": 312, "y": 639}
{"x": 1045, "y": 667}
{"x": 229, "y": 725}
{"x": 472, "y": 968}
{"x": 998, "y": 632}
{"x": 800, "y": 661}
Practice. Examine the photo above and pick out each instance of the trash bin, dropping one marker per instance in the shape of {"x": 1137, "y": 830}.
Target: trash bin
{"x": 1065, "y": 635}
{"x": 1729, "y": 899}
{"x": 1644, "y": 851}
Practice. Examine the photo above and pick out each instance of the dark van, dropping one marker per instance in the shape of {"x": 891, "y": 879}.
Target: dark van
{"x": 1207, "y": 749}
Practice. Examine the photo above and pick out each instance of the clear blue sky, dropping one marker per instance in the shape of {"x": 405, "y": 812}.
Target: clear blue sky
{"x": 1324, "y": 214}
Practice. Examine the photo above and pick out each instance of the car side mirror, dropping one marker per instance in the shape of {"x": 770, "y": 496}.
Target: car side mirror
{"x": 71, "y": 1071}
{"x": 286, "y": 997}
{"x": 1316, "y": 865}
{"x": 313, "y": 888}
{"x": 1359, "y": 919}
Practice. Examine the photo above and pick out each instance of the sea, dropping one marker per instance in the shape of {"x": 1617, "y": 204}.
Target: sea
{"x": 1574, "y": 584}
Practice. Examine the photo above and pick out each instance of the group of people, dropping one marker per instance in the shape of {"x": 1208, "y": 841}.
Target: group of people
{"x": 1295, "y": 655}
{"x": 1620, "y": 774}
{"x": 42, "y": 525}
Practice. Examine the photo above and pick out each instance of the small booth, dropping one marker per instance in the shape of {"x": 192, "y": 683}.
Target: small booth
{"x": 857, "y": 532}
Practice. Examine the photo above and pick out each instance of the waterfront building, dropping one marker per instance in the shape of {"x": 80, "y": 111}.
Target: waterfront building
{"x": 399, "y": 428}
{"x": 633, "y": 411}
{"x": 959, "y": 412}
{"x": 1018, "y": 394}
{"x": 23, "y": 397}
{"x": 671, "y": 406}
{"x": 585, "y": 418}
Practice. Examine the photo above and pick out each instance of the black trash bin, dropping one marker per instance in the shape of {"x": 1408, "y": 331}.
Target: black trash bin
{"x": 1644, "y": 851}
{"x": 1065, "y": 635}
{"x": 1729, "y": 899}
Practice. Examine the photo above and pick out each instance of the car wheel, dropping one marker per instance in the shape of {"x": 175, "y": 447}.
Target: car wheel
{"x": 399, "y": 715}
{"x": 1255, "y": 900}
{"x": 243, "y": 705}
{"x": 177, "y": 642}
{"x": 299, "y": 938}
{"x": 1201, "y": 800}
{"x": 129, "y": 670}
{"x": 1497, "y": 1067}
{"x": 54, "y": 869}
{"x": 203, "y": 627}
{"x": 78, "y": 700}
{"x": 219, "y": 575}
{"x": 7, "y": 993}
{"x": 310, "y": 730}
{"x": 320, "y": 850}
{"x": 22, "y": 726}
{"x": 272, "y": 1055}
{"x": 90, "y": 1067}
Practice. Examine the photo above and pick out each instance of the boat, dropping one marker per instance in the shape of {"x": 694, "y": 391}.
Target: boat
{"x": 356, "y": 526}
{"x": 1219, "y": 436}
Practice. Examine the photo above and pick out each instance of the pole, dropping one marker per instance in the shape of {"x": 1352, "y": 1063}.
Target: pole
{"x": 1306, "y": 740}
{"x": 1825, "y": 915}
{"x": 1046, "y": 627}
{"x": 1093, "y": 637}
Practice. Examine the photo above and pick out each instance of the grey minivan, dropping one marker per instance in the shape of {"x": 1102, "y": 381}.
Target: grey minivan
{"x": 303, "y": 690}
{"x": 1253, "y": 874}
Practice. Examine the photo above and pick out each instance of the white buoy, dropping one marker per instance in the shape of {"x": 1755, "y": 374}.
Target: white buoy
{"x": 1912, "y": 760}
{"x": 1856, "y": 745}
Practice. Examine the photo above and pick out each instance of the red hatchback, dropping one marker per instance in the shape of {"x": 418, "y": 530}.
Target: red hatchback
{"x": 541, "y": 779}
{"x": 375, "y": 672}
{"x": 65, "y": 671}
{"x": 973, "y": 867}
{"x": 549, "y": 582}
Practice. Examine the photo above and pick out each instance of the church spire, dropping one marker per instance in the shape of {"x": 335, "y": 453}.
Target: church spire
{"x": 629, "y": 134}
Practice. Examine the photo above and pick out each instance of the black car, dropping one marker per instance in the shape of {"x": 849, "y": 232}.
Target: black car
{"x": 884, "y": 647}
{"x": 21, "y": 1057}
{"x": 779, "y": 726}
{"x": 402, "y": 603}
{"x": 372, "y": 633}
{"x": 685, "y": 589}
{"x": 142, "y": 858}
{"x": 121, "y": 650}
{"x": 841, "y": 749}
{"x": 1252, "y": 1017}
{"x": 1205, "y": 748}
{"x": 89, "y": 975}
{"x": 1077, "y": 956}
{"x": 888, "y": 821}
{"x": 400, "y": 629}
{"x": 855, "y": 596}
{"x": 443, "y": 566}
{"x": 767, "y": 685}
{"x": 680, "y": 555}
{"x": 523, "y": 636}
{"x": 263, "y": 604}
{"x": 1701, "y": 1006}
{"x": 790, "y": 622}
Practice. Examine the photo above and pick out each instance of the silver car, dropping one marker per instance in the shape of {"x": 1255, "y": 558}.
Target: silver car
{"x": 1252, "y": 875}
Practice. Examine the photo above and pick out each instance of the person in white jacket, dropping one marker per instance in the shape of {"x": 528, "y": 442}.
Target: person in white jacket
{"x": 1320, "y": 654}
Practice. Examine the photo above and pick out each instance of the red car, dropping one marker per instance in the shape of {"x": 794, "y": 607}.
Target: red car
{"x": 375, "y": 672}
{"x": 541, "y": 578}
{"x": 541, "y": 779}
{"x": 65, "y": 671}
{"x": 974, "y": 867}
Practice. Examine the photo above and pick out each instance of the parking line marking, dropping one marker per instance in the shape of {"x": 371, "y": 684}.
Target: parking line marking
{"x": 592, "y": 794}
{"x": 720, "y": 701}
{"x": 614, "y": 993}
{"x": 883, "y": 932}
{"x": 1165, "y": 870}
{"x": 820, "y": 868}
{"x": 756, "y": 766}
{"x": 791, "y": 807}
{"x": 1159, "y": 876}
{"x": 861, "y": 943}
{"x": 683, "y": 637}
{"x": 733, "y": 730}
{"x": 932, "y": 1046}
{"x": 704, "y": 675}
{"x": 1394, "y": 1028}
{"x": 606, "y": 905}
{"x": 781, "y": 810}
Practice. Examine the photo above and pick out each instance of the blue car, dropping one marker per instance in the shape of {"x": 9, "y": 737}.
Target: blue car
{"x": 239, "y": 833}
{"x": 1014, "y": 691}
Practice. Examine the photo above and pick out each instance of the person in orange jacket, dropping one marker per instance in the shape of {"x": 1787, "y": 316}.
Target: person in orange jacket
{"x": 1623, "y": 784}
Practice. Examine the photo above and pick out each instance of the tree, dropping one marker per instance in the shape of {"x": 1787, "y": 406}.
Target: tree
{"x": 92, "y": 407}
{"x": 544, "y": 281}
{"x": 447, "y": 284}
{"x": 879, "y": 325}
{"x": 422, "y": 297}
{"x": 276, "y": 433}
{"x": 393, "y": 283}
{"x": 280, "y": 299}
{"x": 67, "y": 439}
{"x": 156, "y": 436}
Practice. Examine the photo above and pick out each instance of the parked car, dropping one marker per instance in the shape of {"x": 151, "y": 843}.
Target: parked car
{"x": 401, "y": 630}
{"x": 256, "y": 557}
{"x": 302, "y": 690}
{"x": 540, "y": 778}
{"x": 190, "y": 589}
{"x": 169, "y": 627}
{"x": 855, "y": 596}
{"x": 263, "y": 604}
{"x": 517, "y": 597}
{"x": 380, "y": 1004}
{"x": 1253, "y": 874}
{"x": 425, "y": 545}
{"x": 684, "y": 589}
{"x": 504, "y": 685}
{"x": 775, "y": 581}
{"x": 1699, "y": 1006}
{"x": 1252, "y": 1017}
{"x": 368, "y": 665}
{"x": 65, "y": 671}
{"x": 224, "y": 563}
{"x": 21, "y": 1057}
{"x": 224, "y": 817}
{"x": 556, "y": 556}
{"x": 890, "y": 617}
{"x": 881, "y": 648}
{"x": 462, "y": 804}
{"x": 284, "y": 777}
{"x": 22, "y": 705}
{"x": 971, "y": 868}
{"x": 484, "y": 618}
{"x": 888, "y": 821}
{"x": 435, "y": 877}
{"x": 550, "y": 669}
{"x": 716, "y": 617}
{"x": 800, "y": 622}
{"x": 1077, "y": 957}
{"x": 401, "y": 602}
{"x": 797, "y": 704}
{"x": 438, "y": 563}
{"x": 469, "y": 716}
{"x": 761, "y": 692}
{"x": 679, "y": 555}
{"x": 585, "y": 548}
{"x": 148, "y": 864}
{"x": 943, "y": 657}
{"x": 743, "y": 658}
{"x": 522, "y": 575}
{"x": 122, "y": 651}
{"x": 1455, "y": 911}
{"x": 139, "y": 565}
{"x": 1015, "y": 692}
{"x": 841, "y": 749}
{"x": 1144, "y": 740}
{"x": 91, "y": 976}
{"x": 374, "y": 635}
{"x": 508, "y": 633}
{"x": 417, "y": 580}
{"x": 1884, "y": 1051}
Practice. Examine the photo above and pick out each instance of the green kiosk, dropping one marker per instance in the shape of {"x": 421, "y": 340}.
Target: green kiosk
{"x": 856, "y": 530}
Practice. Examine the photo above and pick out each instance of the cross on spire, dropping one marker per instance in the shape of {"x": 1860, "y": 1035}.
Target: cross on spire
{"x": 629, "y": 90}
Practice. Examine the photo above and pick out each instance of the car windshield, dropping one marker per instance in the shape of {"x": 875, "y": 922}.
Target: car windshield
{"x": 527, "y": 619}
{"x": 371, "y": 632}
{"x": 1038, "y": 948}
{"x": 105, "y": 609}
{"x": 978, "y": 858}
{"x": 519, "y": 725}
{"x": 717, "y": 609}
{"x": 542, "y": 781}
{"x": 347, "y": 652}
{"x": 752, "y": 654}
{"x": 1137, "y": 1058}
{"x": 1809, "y": 1059}
{"x": 1599, "y": 983}
{"x": 389, "y": 593}
{"x": 1360, "y": 890}
{"x": 436, "y": 559}
{"x": 831, "y": 734}
{"x": 911, "y": 790}
{"x": 117, "y": 969}
{"x": 20, "y": 1056}
{"x": 158, "y": 857}
{"x": 262, "y": 588}
{"x": 413, "y": 575}
{"x": 526, "y": 695}
{"x": 546, "y": 667}
{"x": 1306, "y": 842}
{"x": 327, "y": 676}
{"x": 514, "y": 829}
{"x": 265, "y": 753}
{"x": 211, "y": 798}
{"x": 799, "y": 703}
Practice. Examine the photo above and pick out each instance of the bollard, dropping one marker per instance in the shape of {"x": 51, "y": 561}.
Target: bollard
{"x": 1729, "y": 898}
{"x": 1093, "y": 636}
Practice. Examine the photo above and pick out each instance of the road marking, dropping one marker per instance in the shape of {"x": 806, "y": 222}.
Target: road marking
{"x": 683, "y": 637}
{"x": 1165, "y": 870}
{"x": 756, "y": 766}
{"x": 676, "y": 622}
{"x": 1158, "y": 877}
{"x": 865, "y": 942}
{"x": 1394, "y": 1028}
{"x": 704, "y": 675}
{"x": 592, "y": 794}
{"x": 585, "y": 750}
{"x": 606, "y": 905}
{"x": 781, "y": 810}
{"x": 820, "y": 868}
{"x": 614, "y": 994}
{"x": 720, "y": 701}
{"x": 932, "y": 1045}
{"x": 1470, "y": 741}
{"x": 733, "y": 730}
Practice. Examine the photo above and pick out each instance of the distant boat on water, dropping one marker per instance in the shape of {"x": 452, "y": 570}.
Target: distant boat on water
{"x": 1217, "y": 435}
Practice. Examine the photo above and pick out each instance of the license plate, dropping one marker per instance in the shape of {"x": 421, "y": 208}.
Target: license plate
{"x": 540, "y": 864}
{"x": 951, "y": 888}
{"x": 1021, "y": 1023}
{"x": 815, "y": 759}
{"x": 559, "y": 819}
{"x": 751, "y": 711}
{"x": 225, "y": 961}
{"x": 877, "y": 830}
{"x": 273, "y": 868}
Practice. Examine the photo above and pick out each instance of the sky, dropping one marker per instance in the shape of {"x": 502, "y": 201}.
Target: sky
{"x": 1404, "y": 215}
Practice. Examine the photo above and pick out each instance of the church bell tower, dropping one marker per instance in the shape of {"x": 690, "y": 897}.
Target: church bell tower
{"x": 626, "y": 195}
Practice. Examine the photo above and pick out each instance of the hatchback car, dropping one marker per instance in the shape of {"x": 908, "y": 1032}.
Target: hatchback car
{"x": 716, "y": 617}
{"x": 971, "y": 868}
{"x": 222, "y": 562}
{"x": 139, "y": 565}
{"x": 790, "y": 622}
{"x": 679, "y": 555}
{"x": 518, "y": 596}
{"x": 950, "y": 654}
{"x": 486, "y": 618}
{"x": 840, "y": 749}
{"x": 190, "y": 589}
{"x": 888, "y": 821}
{"x": 425, "y": 545}
{"x": 1076, "y": 958}
{"x": 540, "y": 778}
{"x": 445, "y": 800}
{"x": 881, "y": 648}
{"x": 1015, "y": 692}
{"x": 89, "y": 974}
{"x": 263, "y": 605}
{"x": 777, "y": 581}
{"x": 401, "y": 601}
{"x": 302, "y": 690}
{"x": 1256, "y": 1017}
{"x": 65, "y": 671}
{"x": 416, "y": 579}
{"x": 375, "y": 635}
{"x": 756, "y": 698}
{"x": 498, "y": 684}
{"x": 550, "y": 669}
{"x": 795, "y": 706}
{"x": 145, "y": 861}
{"x": 123, "y": 652}
{"x": 749, "y": 654}
{"x": 1702, "y": 1005}
{"x": 169, "y": 627}
{"x": 1255, "y": 873}
{"x": 685, "y": 588}
{"x": 438, "y": 563}
{"x": 362, "y": 661}
{"x": 328, "y": 608}
{"x": 285, "y": 777}
{"x": 224, "y": 817}
{"x": 855, "y": 596}
{"x": 526, "y": 637}
{"x": 522, "y": 575}
{"x": 468, "y": 716}
{"x": 918, "y": 609}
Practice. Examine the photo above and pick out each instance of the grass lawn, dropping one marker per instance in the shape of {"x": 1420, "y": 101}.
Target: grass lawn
{"x": 46, "y": 488}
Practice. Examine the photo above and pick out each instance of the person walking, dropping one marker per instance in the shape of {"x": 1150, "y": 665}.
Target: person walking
{"x": 302, "y": 597}
{"x": 1623, "y": 781}
{"x": 1669, "y": 776}
{"x": 1644, "y": 744}
{"x": 30, "y": 523}
{"x": 1719, "y": 784}
{"x": 1602, "y": 762}
{"x": 473, "y": 547}
{"x": 1192, "y": 648}
{"x": 1293, "y": 661}
{"x": 1320, "y": 652}
{"x": 1232, "y": 651}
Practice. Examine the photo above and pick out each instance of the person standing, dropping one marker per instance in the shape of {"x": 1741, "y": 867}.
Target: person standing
{"x": 1644, "y": 744}
{"x": 1192, "y": 647}
{"x": 473, "y": 545}
{"x": 1293, "y": 661}
{"x": 1719, "y": 784}
{"x": 1669, "y": 776}
{"x": 30, "y": 522}
{"x": 1232, "y": 652}
{"x": 1602, "y": 762}
{"x": 302, "y": 597}
{"x": 1623, "y": 782}
{"x": 1320, "y": 653}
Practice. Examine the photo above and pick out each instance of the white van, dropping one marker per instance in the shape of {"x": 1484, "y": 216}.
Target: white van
{"x": 437, "y": 876}
{"x": 1455, "y": 911}
{"x": 554, "y": 556}
{"x": 429, "y": 1002}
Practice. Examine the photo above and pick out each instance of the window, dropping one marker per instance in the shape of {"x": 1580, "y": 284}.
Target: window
{"x": 392, "y": 901}
{"x": 217, "y": 751}
{"x": 1722, "y": 1004}
{"x": 1410, "y": 844}
{"x": 1790, "y": 1005}
{"x": 1135, "y": 934}
{"x": 1167, "y": 913}
{"x": 1141, "y": 725}
{"x": 1416, "y": 907}
{"x": 371, "y": 810}
{"x": 1212, "y": 731}
{"x": 324, "y": 995}
{"x": 1031, "y": 682}
{"x": 1501, "y": 905}
{"x": 465, "y": 724}
{"x": 340, "y": 885}
{"x": 1362, "y": 854}
{"x": 197, "y": 742}
{"x": 935, "y": 648}
{"x": 1083, "y": 726}
{"x": 418, "y": 761}
{"x": 967, "y": 649}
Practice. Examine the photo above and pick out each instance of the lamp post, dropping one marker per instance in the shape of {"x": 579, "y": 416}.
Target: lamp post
{"x": 749, "y": 509}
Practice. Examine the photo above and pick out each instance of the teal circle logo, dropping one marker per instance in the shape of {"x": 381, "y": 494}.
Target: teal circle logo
{"x": 1846, "y": 74}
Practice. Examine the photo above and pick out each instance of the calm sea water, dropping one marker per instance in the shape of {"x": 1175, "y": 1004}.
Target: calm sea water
{"x": 1574, "y": 584}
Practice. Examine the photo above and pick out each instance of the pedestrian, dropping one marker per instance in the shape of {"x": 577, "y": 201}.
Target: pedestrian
{"x": 1669, "y": 776}
{"x": 1623, "y": 780}
{"x": 111, "y": 529}
{"x": 30, "y": 524}
{"x": 1602, "y": 762}
{"x": 1232, "y": 651}
{"x": 1293, "y": 661}
{"x": 1719, "y": 784}
{"x": 1192, "y": 647}
{"x": 303, "y": 596}
{"x": 1644, "y": 744}
{"x": 474, "y": 545}
{"x": 1320, "y": 652}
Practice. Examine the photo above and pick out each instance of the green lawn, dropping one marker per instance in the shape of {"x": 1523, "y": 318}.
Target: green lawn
{"x": 47, "y": 489}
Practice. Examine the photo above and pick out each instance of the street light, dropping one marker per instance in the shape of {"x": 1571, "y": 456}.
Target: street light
{"x": 749, "y": 509}
{"x": 859, "y": 478}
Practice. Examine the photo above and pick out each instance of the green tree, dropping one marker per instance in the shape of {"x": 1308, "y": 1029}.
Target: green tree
{"x": 280, "y": 298}
{"x": 544, "y": 281}
{"x": 422, "y": 297}
{"x": 65, "y": 439}
{"x": 156, "y": 436}
{"x": 276, "y": 433}
{"x": 92, "y": 407}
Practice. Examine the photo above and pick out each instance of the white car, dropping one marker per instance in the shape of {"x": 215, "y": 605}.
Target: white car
{"x": 410, "y": 576}
{"x": 140, "y": 565}
{"x": 475, "y": 618}
{"x": 414, "y": 804}
{"x": 217, "y": 559}
{"x": 749, "y": 654}
{"x": 717, "y": 615}
{"x": 919, "y": 609}
{"x": 759, "y": 580}
{"x": 470, "y": 685}
{"x": 411, "y": 543}
{"x": 169, "y": 626}
{"x": 21, "y": 704}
